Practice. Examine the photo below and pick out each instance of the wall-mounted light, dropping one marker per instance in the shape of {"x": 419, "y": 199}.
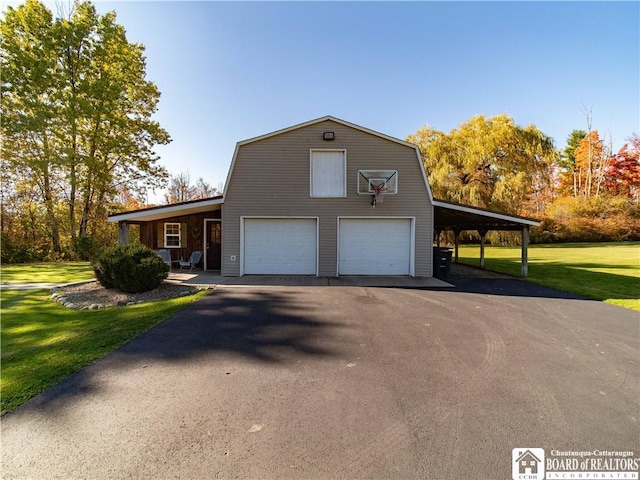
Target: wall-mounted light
{"x": 328, "y": 136}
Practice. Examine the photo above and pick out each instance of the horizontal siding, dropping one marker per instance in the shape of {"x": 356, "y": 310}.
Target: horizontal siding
{"x": 271, "y": 178}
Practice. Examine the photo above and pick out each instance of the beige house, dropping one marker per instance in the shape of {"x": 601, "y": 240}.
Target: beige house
{"x": 324, "y": 198}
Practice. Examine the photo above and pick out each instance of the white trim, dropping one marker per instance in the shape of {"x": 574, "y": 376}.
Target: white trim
{"x": 164, "y": 212}
{"x": 412, "y": 248}
{"x": 231, "y": 167}
{"x": 320, "y": 120}
{"x": 204, "y": 241}
{"x": 484, "y": 213}
{"x": 276, "y": 217}
{"x": 424, "y": 172}
{"x": 344, "y": 152}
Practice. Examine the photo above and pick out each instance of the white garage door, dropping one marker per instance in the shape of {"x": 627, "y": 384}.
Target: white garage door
{"x": 280, "y": 246}
{"x": 375, "y": 247}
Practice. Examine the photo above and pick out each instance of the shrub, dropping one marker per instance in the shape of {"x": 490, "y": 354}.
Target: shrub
{"x": 88, "y": 248}
{"x": 15, "y": 252}
{"x": 612, "y": 228}
{"x": 130, "y": 268}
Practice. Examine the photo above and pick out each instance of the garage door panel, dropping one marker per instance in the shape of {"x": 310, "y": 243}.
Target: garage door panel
{"x": 375, "y": 247}
{"x": 280, "y": 246}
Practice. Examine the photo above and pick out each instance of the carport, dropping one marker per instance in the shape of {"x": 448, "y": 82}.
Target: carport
{"x": 454, "y": 217}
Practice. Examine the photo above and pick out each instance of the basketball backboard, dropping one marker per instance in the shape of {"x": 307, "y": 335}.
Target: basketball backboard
{"x": 371, "y": 182}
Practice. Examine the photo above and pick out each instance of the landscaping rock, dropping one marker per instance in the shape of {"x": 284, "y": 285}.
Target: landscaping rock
{"x": 93, "y": 296}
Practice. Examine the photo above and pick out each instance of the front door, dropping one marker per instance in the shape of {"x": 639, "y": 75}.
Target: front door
{"x": 214, "y": 245}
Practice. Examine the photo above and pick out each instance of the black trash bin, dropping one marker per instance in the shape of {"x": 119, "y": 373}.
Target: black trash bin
{"x": 441, "y": 262}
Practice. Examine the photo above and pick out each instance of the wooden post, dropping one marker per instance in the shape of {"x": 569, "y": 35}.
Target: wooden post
{"x": 483, "y": 235}
{"x": 525, "y": 250}
{"x": 438, "y": 232}
{"x": 123, "y": 233}
{"x": 456, "y": 243}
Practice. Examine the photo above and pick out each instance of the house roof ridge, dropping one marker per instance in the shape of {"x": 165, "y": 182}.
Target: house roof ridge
{"x": 324, "y": 119}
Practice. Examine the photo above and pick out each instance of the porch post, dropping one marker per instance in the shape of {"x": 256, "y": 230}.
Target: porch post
{"x": 456, "y": 243}
{"x": 483, "y": 235}
{"x": 438, "y": 232}
{"x": 123, "y": 233}
{"x": 525, "y": 249}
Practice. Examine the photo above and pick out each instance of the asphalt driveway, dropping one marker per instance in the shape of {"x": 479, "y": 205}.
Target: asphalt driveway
{"x": 343, "y": 382}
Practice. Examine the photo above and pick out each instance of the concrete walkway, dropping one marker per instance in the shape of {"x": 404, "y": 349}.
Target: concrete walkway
{"x": 38, "y": 286}
{"x": 208, "y": 278}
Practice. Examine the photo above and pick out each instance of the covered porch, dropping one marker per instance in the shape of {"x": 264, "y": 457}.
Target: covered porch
{"x": 180, "y": 228}
{"x": 454, "y": 217}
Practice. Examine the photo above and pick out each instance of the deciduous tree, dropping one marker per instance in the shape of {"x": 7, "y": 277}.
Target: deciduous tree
{"x": 181, "y": 190}
{"x": 592, "y": 159}
{"x": 569, "y": 176}
{"x": 77, "y": 111}
{"x": 488, "y": 161}
{"x": 622, "y": 176}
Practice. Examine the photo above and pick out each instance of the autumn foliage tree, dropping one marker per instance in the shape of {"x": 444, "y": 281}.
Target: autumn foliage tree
{"x": 488, "y": 162}
{"x": 583, "y": 193}
{"x": 622, "y": 176}
{"x": 592, "y": 159}
{"x": 76, "y": 118}
{"x": 568, "y": 171}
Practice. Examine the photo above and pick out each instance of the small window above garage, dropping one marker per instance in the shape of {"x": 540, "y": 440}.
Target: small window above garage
{"x": 328, "y": 173}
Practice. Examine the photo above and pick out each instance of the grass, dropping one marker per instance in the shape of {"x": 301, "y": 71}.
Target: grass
{"x": 609, "y": 272}
{"x": 62, "y": 272}
{"x": 44, "y": 342}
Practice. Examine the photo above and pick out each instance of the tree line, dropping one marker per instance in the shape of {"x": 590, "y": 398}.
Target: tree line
{"x": 585, "y": 192}
{"x": 78, "y": 135}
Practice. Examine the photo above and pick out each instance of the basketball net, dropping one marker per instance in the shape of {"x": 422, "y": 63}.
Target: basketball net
{"x": 378, "y": 195}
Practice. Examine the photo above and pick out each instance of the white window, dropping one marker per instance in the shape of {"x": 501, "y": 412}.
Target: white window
{"x": 172, "y": 235}
{"x": 328, "y": 173}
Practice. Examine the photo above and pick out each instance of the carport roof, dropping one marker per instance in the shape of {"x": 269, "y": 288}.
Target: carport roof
{"x": 454, "y": 216}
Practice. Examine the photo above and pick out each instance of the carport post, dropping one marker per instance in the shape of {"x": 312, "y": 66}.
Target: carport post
{"x": 483, "y": 234}
{"x": 123, "y": 233}
{"x": 456, "y": 243}
{"x": 525, "y": 248}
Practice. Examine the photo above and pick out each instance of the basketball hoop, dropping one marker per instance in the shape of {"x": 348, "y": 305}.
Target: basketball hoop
{"x": 378, "y": 184}
{"x": 378, "y": 194}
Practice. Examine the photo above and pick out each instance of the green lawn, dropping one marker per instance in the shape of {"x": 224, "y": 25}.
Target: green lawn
{"x": 604, "y": 271}
{"x": 44, "y": 342}
{"x": 62, "y": 272}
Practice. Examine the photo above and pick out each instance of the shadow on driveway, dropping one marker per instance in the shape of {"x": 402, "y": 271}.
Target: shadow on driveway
{"x": 272, "y": 327}
{"x": 511, "y": 287}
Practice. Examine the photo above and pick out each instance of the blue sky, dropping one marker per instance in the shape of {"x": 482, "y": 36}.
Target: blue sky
{"x": 229, "y": 71}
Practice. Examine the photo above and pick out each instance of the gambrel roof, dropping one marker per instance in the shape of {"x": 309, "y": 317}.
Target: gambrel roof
{"x": 335, "y": 120}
